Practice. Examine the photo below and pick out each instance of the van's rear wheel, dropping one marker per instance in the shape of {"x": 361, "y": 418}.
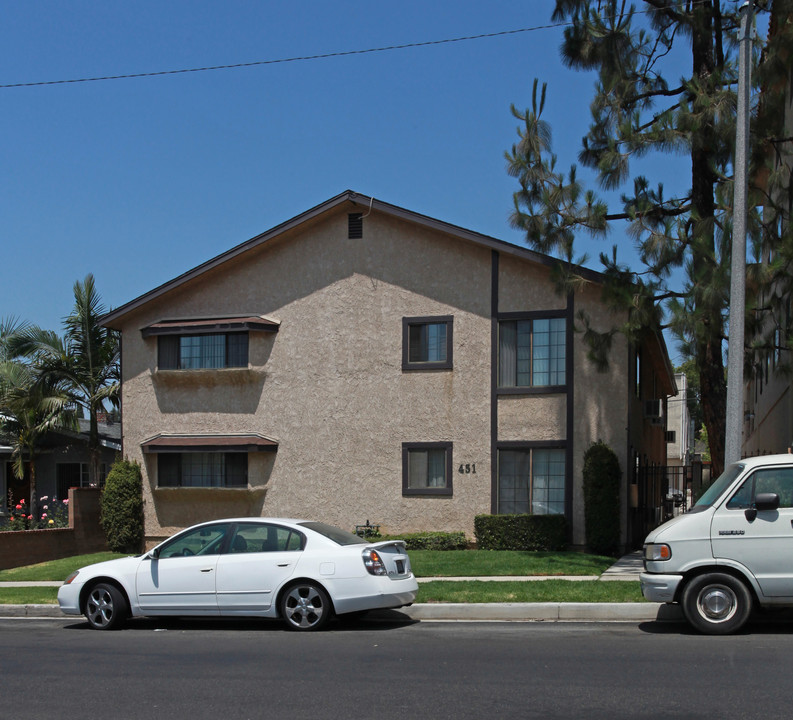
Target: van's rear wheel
{"x": 717, "y": 603}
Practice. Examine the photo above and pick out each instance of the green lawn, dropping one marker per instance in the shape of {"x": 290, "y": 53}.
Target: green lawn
{"x": 426, "y": 563}
{"x": 476, "y": 563}
{"x": 54, "y": 569}
{"x": 477, "y": 591}
{"x": 29, "y": 596}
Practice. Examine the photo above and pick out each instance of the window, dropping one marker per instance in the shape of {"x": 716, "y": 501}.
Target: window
{"x": 210, "y": 351}
{"x": 427, "y": 343}
{"x": 532, "y": 353}
{"x": 69, "y": 475}
{"x": 204, "y": 540}
{"x": 258, "y": 537}
{"x": 671, "y": 436}
{"x": 531, "y": 481}
{"x": 202, "y": 469}
{"x": 770, "y": 480}
{"x": 427, "y": 468}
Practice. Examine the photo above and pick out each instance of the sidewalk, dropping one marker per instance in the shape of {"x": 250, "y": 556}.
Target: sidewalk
{"x": 626, "y": 568}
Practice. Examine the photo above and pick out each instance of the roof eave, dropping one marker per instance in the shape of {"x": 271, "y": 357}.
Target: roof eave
{"x": 112, "y": 318}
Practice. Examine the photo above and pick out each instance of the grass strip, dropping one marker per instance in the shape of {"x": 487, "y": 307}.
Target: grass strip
{"x": 54, "y": 569}
{"x": 577, "y": 591}
{"x": 467, "y": 591}
{"x": 29, "y": 596}
{"x": 473, "y": 563}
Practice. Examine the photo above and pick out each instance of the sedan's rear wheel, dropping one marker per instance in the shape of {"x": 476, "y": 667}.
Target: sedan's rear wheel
{"x": 105, "y": 607}
{"x": 305, "y": 606}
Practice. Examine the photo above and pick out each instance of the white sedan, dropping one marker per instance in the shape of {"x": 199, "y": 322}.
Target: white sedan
{"x": 303, "y": 572}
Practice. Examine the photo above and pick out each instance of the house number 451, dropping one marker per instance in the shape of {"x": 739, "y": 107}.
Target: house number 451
{"x": 467, "y": 468}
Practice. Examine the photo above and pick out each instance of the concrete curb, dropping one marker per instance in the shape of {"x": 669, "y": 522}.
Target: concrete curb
{"x": 30, "y": 611}
{"x": 545, "y": 612}
{"x": 470, "y": 612}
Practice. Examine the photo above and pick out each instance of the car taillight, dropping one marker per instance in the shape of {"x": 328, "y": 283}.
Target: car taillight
{"x": 373, "y": 562}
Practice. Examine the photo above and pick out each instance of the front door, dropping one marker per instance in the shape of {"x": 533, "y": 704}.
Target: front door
{"x": 260, "y": 558}
{"x": 181, "y": 579}
{"x": 764, "y": 545}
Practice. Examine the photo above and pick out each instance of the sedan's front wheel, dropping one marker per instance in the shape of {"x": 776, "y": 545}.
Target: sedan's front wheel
{"x": 305, "y": 606}
{"x": 105, "y": 607}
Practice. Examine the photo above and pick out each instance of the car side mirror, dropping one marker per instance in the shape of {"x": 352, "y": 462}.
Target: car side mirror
{"x": 153, "y": 554}
{"x": 766, "y": 501}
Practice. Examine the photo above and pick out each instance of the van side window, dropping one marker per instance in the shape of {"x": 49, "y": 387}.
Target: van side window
{"x": 744, "y": 496}
{"x": 770, "y": 480}
{"x": 776, "y": 480}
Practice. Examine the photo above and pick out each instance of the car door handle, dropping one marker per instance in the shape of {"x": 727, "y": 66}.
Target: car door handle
{"x": 206, "y": 569}
{"x": 288, "y": 564}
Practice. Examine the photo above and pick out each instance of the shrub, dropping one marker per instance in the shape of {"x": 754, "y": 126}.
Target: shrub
{"x": 602, "y": 476}
{"x": 520, "y": 532}
{"x": 122, "y": 508}
{"x": 432, "y": 540}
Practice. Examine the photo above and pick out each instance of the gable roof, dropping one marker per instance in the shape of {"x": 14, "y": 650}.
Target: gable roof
{"x": 366, "y": 204}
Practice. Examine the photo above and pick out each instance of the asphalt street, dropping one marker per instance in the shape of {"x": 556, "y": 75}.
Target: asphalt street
{"x": 58, "y": 668}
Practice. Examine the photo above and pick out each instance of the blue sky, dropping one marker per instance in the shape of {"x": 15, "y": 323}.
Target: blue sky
{"x": 138, "y": 180}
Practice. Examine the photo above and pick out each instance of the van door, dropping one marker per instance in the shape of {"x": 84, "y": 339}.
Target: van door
{"x": 764, "y": 544}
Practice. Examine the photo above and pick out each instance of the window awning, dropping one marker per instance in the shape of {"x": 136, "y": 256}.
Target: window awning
{"x": 250, "y": 323}
{"x": 209, "y": 443}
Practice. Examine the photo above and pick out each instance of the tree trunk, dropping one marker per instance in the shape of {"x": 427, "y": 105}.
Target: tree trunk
{"x": 34, "y": 501}
{"x": 93, "y": 448}
{"x": 709, "y": 355}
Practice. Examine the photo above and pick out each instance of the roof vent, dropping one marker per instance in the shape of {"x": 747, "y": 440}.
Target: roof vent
{"x": 354, "y": 226}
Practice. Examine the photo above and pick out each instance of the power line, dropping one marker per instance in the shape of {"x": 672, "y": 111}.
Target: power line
{"x": 321, "y": 56}
{"x": 301, "y": 58}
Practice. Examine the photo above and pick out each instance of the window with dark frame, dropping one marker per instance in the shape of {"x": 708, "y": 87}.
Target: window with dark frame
{"x": 202, "y": 352}
{"x": 202, "y": 469}
{"x": 531, "y": 481}
{"x": 532, "y": 353}
{"x": 427, "y": 468}
{"x": 69, "y": 475}
{"x": 427, "y": 343}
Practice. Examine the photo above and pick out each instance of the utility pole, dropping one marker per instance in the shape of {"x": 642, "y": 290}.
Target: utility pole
{"x": 735, "y": 349}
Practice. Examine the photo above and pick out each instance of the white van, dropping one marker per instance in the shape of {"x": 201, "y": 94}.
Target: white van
{"x": 733, "y": 550}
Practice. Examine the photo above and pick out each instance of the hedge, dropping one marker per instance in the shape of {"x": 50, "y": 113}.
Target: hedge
{"x": 602, "y": 476}
{"x": 432, "y": 540}
{"x": 520, "y": 532}
{"x": 121, "y": 508}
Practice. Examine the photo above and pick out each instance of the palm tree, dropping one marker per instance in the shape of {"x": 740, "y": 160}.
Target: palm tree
{"x": 11, "y": 338}
{"x": 30, "y": 406}
{"x": 85, "y": 361}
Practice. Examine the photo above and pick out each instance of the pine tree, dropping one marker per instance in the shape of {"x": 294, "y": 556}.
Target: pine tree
{"x": 637, "y": 110}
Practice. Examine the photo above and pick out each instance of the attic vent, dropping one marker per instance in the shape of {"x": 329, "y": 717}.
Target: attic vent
{"x": 354, "y": 226}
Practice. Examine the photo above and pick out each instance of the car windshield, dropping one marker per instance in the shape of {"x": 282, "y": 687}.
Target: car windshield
{"x": 715, "y": 491}
{"x": 339, "y": 536}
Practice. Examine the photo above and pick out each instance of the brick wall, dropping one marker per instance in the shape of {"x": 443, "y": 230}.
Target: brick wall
{"x": 84, "y": 535}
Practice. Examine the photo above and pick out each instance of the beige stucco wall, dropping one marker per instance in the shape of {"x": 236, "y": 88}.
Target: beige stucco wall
{"x": 330, "y": 389}
{"x": 329, "y": 386}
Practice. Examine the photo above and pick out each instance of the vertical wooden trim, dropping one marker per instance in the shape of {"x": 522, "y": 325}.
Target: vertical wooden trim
{"x": 570, "y": 382}
{"x": 494, "y": 267}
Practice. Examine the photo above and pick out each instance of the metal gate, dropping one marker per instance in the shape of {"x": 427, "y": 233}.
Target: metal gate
{"x": 660, "y": 492}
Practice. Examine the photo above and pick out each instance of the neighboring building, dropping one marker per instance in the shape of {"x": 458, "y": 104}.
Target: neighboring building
{"x": 61, "y": 462}
{"x": 362, "y": 362}
{"x": 678, "y": 425}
